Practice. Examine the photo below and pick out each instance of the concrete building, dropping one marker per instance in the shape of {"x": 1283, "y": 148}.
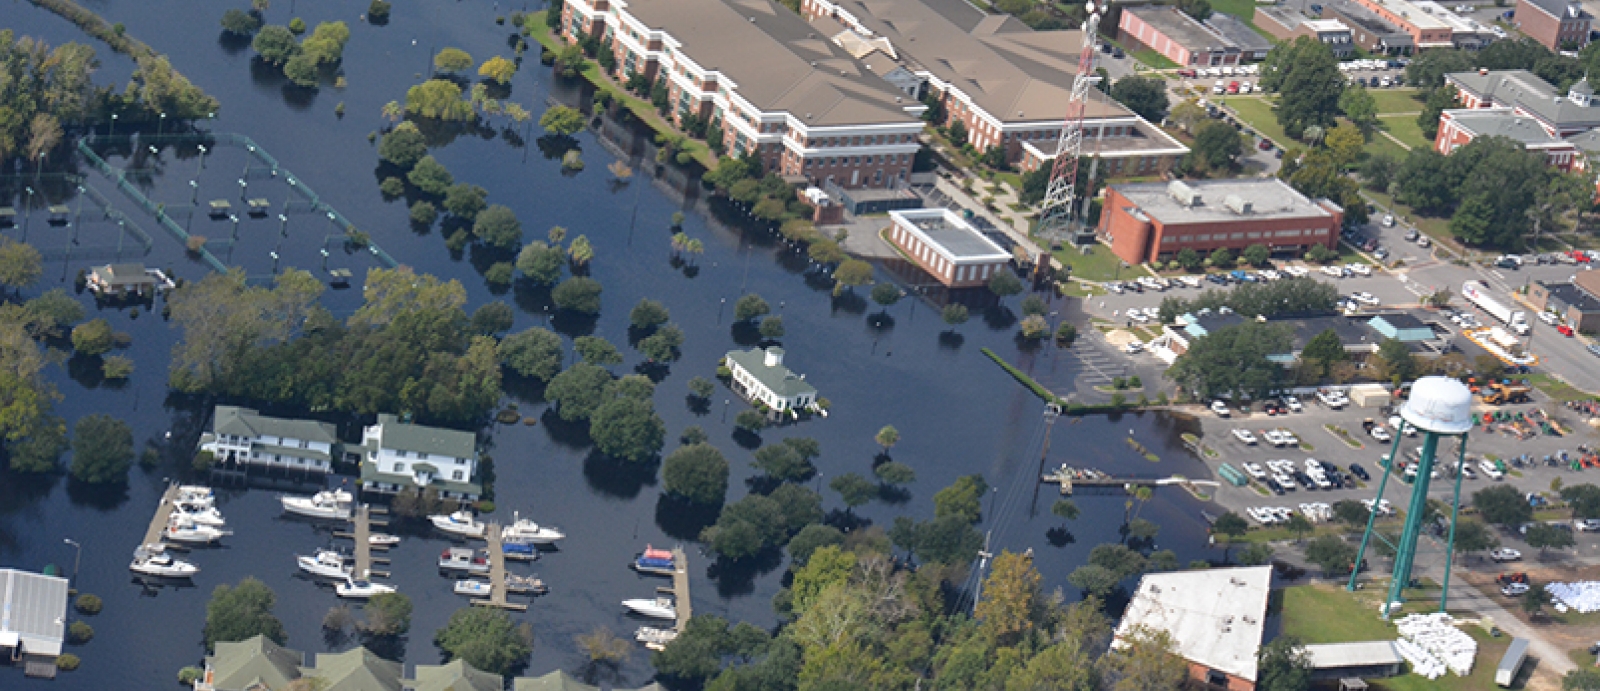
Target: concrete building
{"x": 1368, "y": 30}
{"x": 1358, "y": 660}
{"x": 1558, "y": 24}
{"x": 1215, "y": 617}
{"x": 1458, "y": 127}
{"x": 242, "y": 435}
{"x": 1006, "y": 83}
{"x": 1154, "y": 221}
{"x": 947, "y": 247}
{"x": 402, "y": 455}
{"x": 1578, "y": 302}
{"x": 1426, "y": 30}
{"x": 33, "y": 620}
{"x": 806, "y": 107}
{"x": 1562, "y": 115}
{"x": 1252, "y": 46}
{"x": 1176, "y": 36}
{"x": 1287, "y": 24}
{"x": 761, "y": 377}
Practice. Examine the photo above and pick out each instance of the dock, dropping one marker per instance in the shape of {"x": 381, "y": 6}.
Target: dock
{"x": 158, "y": 523}
{"x": 497, "y": 574}
{"x": 1070, "y": 478}
{"x": 680, "y": 587}
{"x": 361, "y": 521}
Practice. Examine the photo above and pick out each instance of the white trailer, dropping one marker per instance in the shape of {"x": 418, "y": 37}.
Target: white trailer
{"x": 1507, "y": 671}
{"x": 1478, "y": 294}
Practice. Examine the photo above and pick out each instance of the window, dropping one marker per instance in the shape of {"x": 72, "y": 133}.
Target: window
{"x": 399, "y": 467}
{"x": 305, "y": 444}
{"x": 456, "y": 476}
{"x": 422, "y": 456}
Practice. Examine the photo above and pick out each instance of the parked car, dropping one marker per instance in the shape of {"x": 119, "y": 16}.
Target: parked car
{"x": 1565, "y": 330}
{"x": 1388, "y": 222}
{"x": 1244, "y": 436}
{"x": 1358, "y": 471}
{"x": 1514, "y": 589}
{"x": 1186, "y": 73}
{"x": 1505, "y": 554}
{"x": 1587, "y": 525}
{"x": 1293, "y": 404}
{"x": 1220, "y": 408}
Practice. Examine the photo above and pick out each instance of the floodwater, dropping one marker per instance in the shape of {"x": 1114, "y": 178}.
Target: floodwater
{"x": 956, "y": 411}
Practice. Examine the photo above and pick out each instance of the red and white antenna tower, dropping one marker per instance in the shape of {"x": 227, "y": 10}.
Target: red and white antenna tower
{"x": 1057, "y": 213}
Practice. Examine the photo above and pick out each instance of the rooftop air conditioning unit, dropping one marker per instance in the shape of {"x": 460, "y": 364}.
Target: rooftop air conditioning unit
{"x": 1237, "y": 204}
{"x": 1183, "y": 193}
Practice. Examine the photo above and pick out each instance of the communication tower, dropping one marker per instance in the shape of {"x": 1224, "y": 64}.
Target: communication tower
{"x": 1057, "y": 213}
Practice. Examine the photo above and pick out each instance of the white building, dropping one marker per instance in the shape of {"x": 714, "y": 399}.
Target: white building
{"x": 759, "y": 375}
{"x": 242, "y": 435}
{"x": 947, "y": 247}
{"x": 402, "y": 455}
{"x": 33, "y": 615}
{"x": 1215, "y": 617}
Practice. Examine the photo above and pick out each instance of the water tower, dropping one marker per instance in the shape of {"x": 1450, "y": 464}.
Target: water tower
{"x": 1438, "y": 407}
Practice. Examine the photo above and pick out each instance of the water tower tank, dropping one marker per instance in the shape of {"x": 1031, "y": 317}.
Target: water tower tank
{"x": 1440, "y": 405}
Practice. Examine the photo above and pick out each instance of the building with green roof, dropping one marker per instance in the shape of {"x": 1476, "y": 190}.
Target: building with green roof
{"x": 253, "y": 663}
{"x": 242, "y": 435}
{"x": 561, "y": 681}
{"x": 400, "y": 455}
{"x": 456, "y": 675}
{"x": 761, "y": 377}
{"x": 357, "y": 669}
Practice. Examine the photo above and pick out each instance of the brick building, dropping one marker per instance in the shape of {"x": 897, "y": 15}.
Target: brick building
{"x": 1288, "y": 24}
{"x": 1215, "y": 618}
{"x": 1371, "y": 32}
{"x": 1558, "y": 24}
{"x": 1177, "y": 36}
{"x": 808, "y": 108}
{"x": 947, "y": 247}
{"x": 1563, "y": 115}
{"x": 1577, "y": 301}
{"x": 1252, "y": 46}
{"x": 1154, "y": 221}
{"x": 1458, "y": 127}
{"x": 1426, "y": 30}
{"x": 1006, "y": 83}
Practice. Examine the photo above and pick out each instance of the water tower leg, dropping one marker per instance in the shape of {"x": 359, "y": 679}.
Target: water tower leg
{"x": 1372, "y": 516}
{"x": 1455, "y": 511}
{"x": 1406, "y": 551}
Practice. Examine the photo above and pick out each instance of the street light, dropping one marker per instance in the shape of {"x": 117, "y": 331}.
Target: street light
{"x": 29, "y": 215}
{"x": 76, "y": 560}
{"x": 274, "y": 256}
{"x": 195, "y": 187}
{"x": 112, "y": 131}
{"x": 235, "y": 220}
{"x": 243, "y": 188}
{"x": 324, "y": 259}
{"x": 202, "y": 165}
{"x": 161, "y": 124}
{"x": 283, "y": 225}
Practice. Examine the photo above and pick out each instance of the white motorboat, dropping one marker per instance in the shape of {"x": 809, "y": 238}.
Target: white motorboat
{"x": 197, "y": 494}
{"x": 360, "y": 590}
{"x": 461, "y": 523}
{"x": 654, "y": 638}
{"x": 659, "y": 608}
{"x": 326, "y": 563}
{"x": 526, "y": 531}
{"x": 459, "y": 559}
{"x": 180, "y": 529}
{"x": 204, "y": 514}
{"x": 383, "y": 540}
{"x": 332, "y": 503}
{"x": 155, "y": 562}
{"x": 473, "y": 588}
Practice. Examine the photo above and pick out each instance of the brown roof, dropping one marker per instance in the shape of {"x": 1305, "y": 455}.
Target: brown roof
{"x": 1010, "y": 71}
{"x": 777, "y": 61}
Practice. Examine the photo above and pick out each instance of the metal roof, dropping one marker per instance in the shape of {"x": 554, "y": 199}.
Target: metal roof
{"x": 238, "y": 665}
{"x": 949, "y": 235}
{"x": 247, "y": 423}
{"x": 780, "y": 379}
{"x": 124, "y": 274}
{"x": 33, "y": 609}
{"x": 1525, "y": 90}
{"x": 357, "y": 669}
{"x": 1214, "y": 616}
{"x": 1357, "y": 654}
{"x": 1501, "y": 122}
{"x": 456, "y": 675}
{"x": 1181, "y": 28}
{"x": 1236, "y": 30}
{"x": 406, "y": 436}
{"x": 1560, "y": 9}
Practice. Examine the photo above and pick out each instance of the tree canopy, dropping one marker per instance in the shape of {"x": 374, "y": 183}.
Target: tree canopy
{"x": 1233, "y": 360}
{"x": 1306, "y": 76}
{"x": 102, "y": 449}
{"x": 236, "y": 613}
{"x": 562, "y": 121}
{"x": 628, "y": 429}
{"x": 487, "y": 639}
{"x": 1146, "y": 96}
{"x": 698, "y": 473}
{"x": 498, "y": 227}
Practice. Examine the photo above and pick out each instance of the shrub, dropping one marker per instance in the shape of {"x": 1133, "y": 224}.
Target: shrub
{"x": 89, "y": 603}
{"x": 80, "y": 633}
{"x": 67, "y": 662}
{"x": 189, "y": 675}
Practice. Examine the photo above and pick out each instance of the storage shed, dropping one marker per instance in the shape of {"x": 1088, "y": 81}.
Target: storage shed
{"x": 1370, "y": 395}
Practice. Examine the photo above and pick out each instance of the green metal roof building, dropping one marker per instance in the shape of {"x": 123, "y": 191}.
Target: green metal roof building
{"x": 242, "y": 435}
{"x": 760, "y": 376}
{"x": 400, "y": 455}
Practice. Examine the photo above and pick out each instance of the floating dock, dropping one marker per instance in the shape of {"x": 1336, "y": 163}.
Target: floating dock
{"x": 680, "y": 587}
{"x": 1070, "y": 478}
{"x": 361, "y": 520}
{"x": 497, "y": 574}
{"x": 158, "y": 523}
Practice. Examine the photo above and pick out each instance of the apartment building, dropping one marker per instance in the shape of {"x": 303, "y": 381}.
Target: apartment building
{"x": 1006, "y": 83}
{"x": 1558, "y": 24}
{"x": 806, "y": 106}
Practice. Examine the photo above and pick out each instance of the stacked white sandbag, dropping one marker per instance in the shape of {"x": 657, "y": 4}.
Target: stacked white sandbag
{"x": 1583, "y": 596}
{"x": 1436, "y": 633}
{"x": 1421, "y": 662}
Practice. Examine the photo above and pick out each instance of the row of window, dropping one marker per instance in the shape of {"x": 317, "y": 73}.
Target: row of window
{"x": 880, "y": 159}
{"x": 278, "y": 458}
{"x": 1256, "y": 235}
{"x": 237, "y": 440}
{"x": 457, "y": 475}
{"x": 867, "y": 140}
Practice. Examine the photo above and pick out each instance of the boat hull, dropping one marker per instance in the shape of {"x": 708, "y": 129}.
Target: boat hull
{"x": 321, "y": 570}
{"x": 308, "y": 510}
{"x": 650, "y": 608}
{"x": 473, "y": 588}
{"x": 177, "y": 572}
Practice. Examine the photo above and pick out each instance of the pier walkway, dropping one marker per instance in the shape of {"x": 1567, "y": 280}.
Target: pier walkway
{"x": 497, "y": 574}
{"x": 158, "y": 523}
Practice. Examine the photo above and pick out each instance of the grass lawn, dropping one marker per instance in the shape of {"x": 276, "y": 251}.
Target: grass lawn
{"x": 1395, "y": 100}
{"x": 1154, "y": 59}
{"x": 639, "y": 107}
{"x": 1321, "y": 613}
{"x": 1405, "y": 129}
{"x": 1256, "y": 113}
{"x": 1557, "y": 389}
{"x": 1099, "y": 265}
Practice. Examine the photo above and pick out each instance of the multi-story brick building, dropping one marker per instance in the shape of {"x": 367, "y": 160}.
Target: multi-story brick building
{"x": 1371, "y": 32}
{"x": 1458, "y": 127}
{"x": 1154, "y": 221}
{"x": 1558, "y": 24}
{"x": 947, "y": 247}
{"x": 1288, "y": 24}
{"x": 1426, "y": 30}
{"x": 806, "y": 107}
{"x": 1529, "y": 96}
{"x": 1177, "y": 36}
{"x": 1007, "y": 84}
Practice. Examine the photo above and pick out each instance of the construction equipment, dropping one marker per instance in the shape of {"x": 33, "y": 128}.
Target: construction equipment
{"x": 1503, "y": 392}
